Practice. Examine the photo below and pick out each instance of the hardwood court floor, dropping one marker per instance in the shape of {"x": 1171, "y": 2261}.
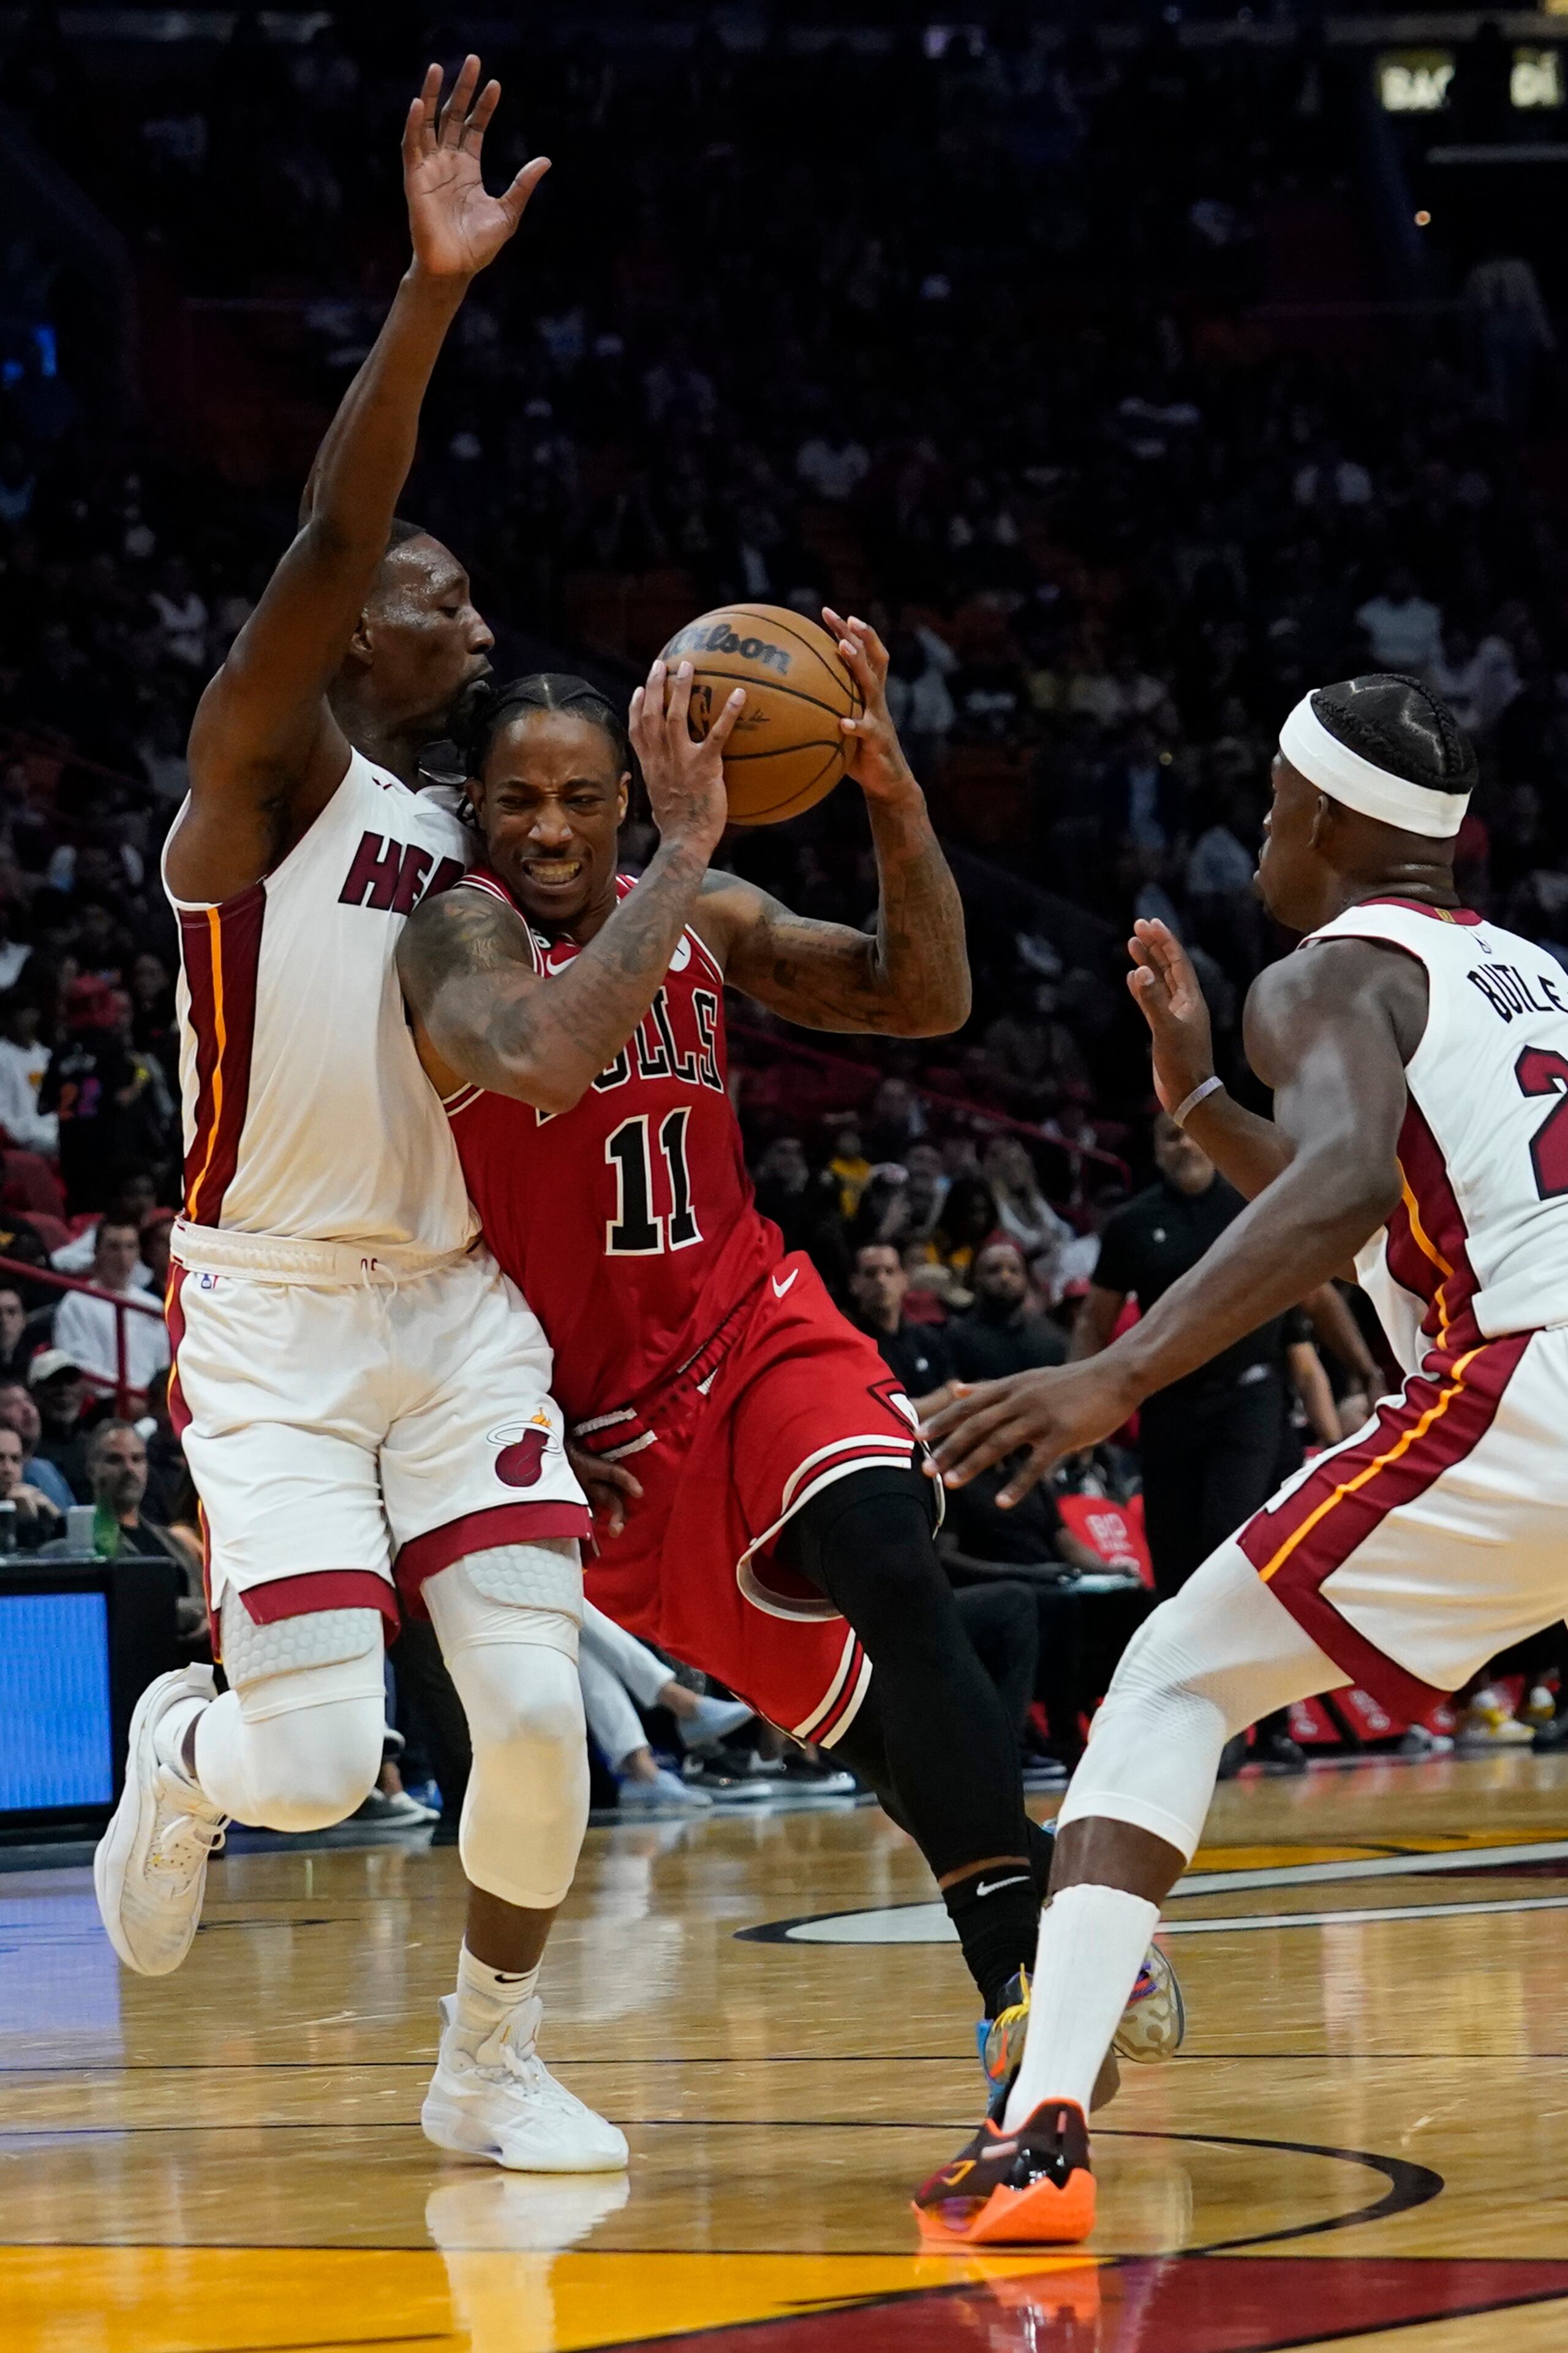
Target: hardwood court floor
{"x": 1365, "y": 2144}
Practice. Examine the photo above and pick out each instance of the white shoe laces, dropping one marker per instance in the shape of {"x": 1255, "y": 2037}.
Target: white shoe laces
{"x": 183, "y": 1842}
{"x": 506, "y": 2058}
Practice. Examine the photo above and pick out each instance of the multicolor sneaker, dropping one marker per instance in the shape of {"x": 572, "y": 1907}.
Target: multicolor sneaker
{"x": 1152, "y": 2029}
{"x": 1032, "y": 2186}
{"x": 1154, "y": 2022}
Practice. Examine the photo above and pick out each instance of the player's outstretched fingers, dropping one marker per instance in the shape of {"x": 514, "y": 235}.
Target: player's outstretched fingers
{"x": 514, "y": 203}
{"x": 860, "y": 649}
{"x": 677, "y": 712}
{"x": 479, "y": 115}
{"x": 724, "y": 726}
{"x": 646, "y": 711}
{"x": 419, "y": 129}
{"x": 876, "y": 653}
{"x": 1028, "y": 1474}
{"x": 455, "y": 113}
{"x": 974, "y": 1431}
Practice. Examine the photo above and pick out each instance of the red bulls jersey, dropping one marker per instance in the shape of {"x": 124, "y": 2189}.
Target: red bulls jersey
{"x": 627, "y": 1222}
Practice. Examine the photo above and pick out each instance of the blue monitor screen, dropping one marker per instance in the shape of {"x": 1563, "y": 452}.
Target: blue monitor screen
{"x": 53, "y": 1701}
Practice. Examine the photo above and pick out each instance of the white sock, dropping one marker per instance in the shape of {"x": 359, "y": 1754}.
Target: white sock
{"x": 1092, "y": 1948}
{"x": 169, "y": 1735}
{"x": 487, "y": 1996}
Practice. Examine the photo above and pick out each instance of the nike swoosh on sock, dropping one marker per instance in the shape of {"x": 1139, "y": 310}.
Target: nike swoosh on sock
{"x": 994, "y": 1886}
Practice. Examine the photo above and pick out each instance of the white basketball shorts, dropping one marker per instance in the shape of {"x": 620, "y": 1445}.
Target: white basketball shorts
{"x": 1437, "y": 1535}
{"x": 350, "y": 1430}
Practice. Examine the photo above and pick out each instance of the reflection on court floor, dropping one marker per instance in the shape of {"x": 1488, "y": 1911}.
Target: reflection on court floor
{"x": 1366, "y": 2133}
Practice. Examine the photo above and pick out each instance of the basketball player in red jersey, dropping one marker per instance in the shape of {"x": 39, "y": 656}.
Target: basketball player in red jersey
{"x": 783, "y": 1537}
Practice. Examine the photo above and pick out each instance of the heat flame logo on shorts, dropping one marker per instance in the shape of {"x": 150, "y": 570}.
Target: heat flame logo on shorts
{"x": 524, "y": 1446}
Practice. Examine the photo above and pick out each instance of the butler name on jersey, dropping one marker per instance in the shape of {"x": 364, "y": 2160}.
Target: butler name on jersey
{"x": 1479, "y": 1244}
{"x": 635, "y": 1233}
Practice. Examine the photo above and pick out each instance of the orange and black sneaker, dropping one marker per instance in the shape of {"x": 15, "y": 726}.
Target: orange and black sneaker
{"x": 1031, "y": 2188}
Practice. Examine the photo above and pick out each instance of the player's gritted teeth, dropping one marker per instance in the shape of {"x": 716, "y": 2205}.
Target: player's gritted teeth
{"x": 554, "y": 873}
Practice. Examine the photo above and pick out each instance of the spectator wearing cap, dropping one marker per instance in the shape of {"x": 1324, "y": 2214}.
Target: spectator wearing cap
{"x": 19, "y": 1412}
{"x": 1002, "y": 1333}
{"x": 38, "y": 1519}
{"x": 85, "y": 1327}
{"x": 89, "y": 1085}
{"x": 915, "y": 1354}
{"x": 24, "y": 1060}
{"x": 59, "y": 1392}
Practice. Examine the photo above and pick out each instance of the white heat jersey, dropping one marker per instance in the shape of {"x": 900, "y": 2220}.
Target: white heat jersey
{"x": 308, "y": 1114}
{"x": 1479, "y": 1244}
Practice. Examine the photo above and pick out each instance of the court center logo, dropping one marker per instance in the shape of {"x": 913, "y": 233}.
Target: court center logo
{"x": 524, "y": 1447}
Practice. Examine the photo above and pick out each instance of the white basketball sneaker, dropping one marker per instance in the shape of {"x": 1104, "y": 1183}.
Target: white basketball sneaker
{"x": 492, "y": 2096}
{"x": 150, "y": 1868}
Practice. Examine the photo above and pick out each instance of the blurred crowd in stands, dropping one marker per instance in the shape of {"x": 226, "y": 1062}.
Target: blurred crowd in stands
{"x": 1059, "y": 360}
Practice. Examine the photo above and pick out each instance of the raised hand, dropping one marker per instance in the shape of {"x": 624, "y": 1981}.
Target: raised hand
{"x": 873, "y": 754}
{"x": 1166, "y": 990}
{"x": 457, "y": 229}
{"x": 685, "y": 776}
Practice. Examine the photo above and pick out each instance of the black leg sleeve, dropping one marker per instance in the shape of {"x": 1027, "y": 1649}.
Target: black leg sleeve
{"x": 1000, "y": 1620}
{"x": 951, "y": 1753}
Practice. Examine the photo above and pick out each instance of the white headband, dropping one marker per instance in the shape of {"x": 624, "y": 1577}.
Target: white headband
{"x": 1345, "y": 777}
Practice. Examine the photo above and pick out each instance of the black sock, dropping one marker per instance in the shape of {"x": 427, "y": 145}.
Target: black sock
{"x": 1042, "y": 1847}
{"x": 997, "y": 1915}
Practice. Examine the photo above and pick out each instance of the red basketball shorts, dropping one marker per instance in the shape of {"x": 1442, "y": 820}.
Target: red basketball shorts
{"x": 789, "y": 1398}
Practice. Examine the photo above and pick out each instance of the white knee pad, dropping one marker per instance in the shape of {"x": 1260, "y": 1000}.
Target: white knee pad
{"x": 1219, "y": 1656}
{"x": 254, "y": 1654}
{"x": 295, "y": 1744}
{"x": 514, "y": 1663}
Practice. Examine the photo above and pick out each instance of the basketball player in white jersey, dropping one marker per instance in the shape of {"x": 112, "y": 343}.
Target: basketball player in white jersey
{"x": 364, "y": 1397}
{"x": 1418, "y": 1057}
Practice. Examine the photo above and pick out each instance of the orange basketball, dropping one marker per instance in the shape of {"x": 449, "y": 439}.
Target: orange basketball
{"x": 786, "y": 752}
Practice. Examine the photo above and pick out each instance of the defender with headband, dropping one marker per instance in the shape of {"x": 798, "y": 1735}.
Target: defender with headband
{"x": 1418, "y": 1057}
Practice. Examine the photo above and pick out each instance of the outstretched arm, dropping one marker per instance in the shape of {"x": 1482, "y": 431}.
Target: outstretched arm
{"x": 1331, "y": 1033}
{"x": 483, "y": 1016}
{"x": 265, "y": 754}
{"x": 910, "y": 978}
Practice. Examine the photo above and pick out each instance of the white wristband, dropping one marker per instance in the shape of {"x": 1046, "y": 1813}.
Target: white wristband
{"x": 1189, "y": 1104}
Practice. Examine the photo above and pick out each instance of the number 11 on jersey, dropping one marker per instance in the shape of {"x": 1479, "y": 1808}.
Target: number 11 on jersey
{"x": 637, "y": 1230}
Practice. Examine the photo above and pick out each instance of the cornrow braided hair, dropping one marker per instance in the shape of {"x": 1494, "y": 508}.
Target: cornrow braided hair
{"x": 492, "y": 708}
{"x": 1401, "y": 725}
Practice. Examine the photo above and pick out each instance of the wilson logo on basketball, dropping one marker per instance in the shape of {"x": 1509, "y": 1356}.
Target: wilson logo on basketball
{"x": 524, "y": 1447}
{"x": 718, "y": 638}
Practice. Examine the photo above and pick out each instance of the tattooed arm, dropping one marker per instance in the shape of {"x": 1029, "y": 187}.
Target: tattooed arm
{"x": 910, "y": 978}
{"x": 485, "y": 1016}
